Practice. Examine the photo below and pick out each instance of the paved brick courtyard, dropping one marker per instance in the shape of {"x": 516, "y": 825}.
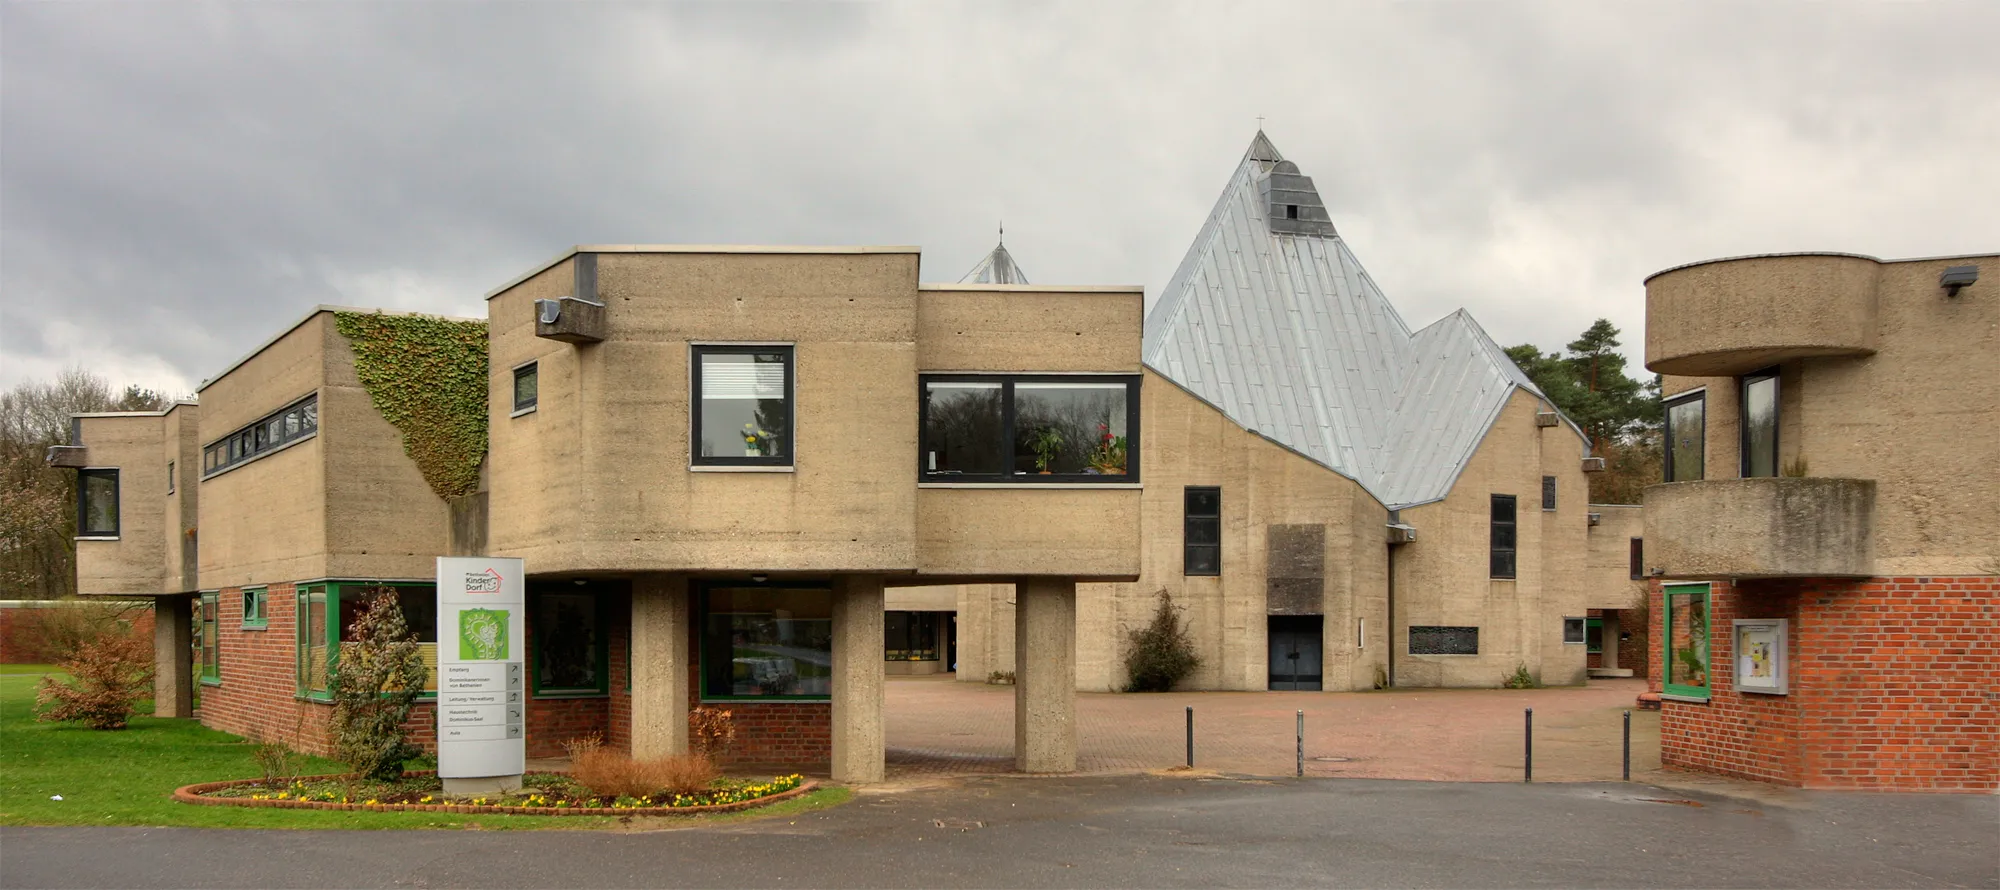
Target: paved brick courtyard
{"x": 937, "y": 726}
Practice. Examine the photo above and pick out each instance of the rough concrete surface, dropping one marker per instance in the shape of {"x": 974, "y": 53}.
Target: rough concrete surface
{"x": 1128, "y": 831}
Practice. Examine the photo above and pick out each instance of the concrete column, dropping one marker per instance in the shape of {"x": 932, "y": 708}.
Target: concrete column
{"x": 1045, "y": 675}
{"x": 173, "y": 656}
{"x": 857, "y": 679}
{"x": 660, "y": 661}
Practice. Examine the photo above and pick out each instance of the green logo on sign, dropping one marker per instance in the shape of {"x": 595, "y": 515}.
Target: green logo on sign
{"x": 482, "y": 634}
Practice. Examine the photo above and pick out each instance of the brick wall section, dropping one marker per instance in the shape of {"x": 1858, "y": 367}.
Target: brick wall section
{"x": 20, "y": 625}
{"x": 1892, "y": 686}
{"x": 618, "y": 633}
{"x": 1632, "y": 652}
{"x": 781, "y": 734}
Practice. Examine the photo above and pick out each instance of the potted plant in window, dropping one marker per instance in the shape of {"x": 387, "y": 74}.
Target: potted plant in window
{"x": 756, "y": 442}
{"x": 1108, "y": 458}
{"x": 1047, "y": 442}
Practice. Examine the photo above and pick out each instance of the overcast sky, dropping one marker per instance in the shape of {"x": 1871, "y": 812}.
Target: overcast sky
{"x": 178, "y": 181}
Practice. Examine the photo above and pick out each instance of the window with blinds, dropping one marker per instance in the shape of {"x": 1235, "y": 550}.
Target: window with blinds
{"x": 742, "y": 406}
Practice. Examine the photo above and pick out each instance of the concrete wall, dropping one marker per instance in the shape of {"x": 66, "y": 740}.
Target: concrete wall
{"x": 134, "y": 562}
{"x": 382, "y": 519}
{"x": 1444, "y": 577}
{"x": 994, "y": 327}
{"x": 1733, "y": 316}
{"x": 181, "y": 438}
{"x": 1907, "y": 416}
{"x": 1608, "y": 563}
{"x": 265, "y": 520}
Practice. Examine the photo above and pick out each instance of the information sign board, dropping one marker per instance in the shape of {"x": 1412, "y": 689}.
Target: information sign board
{"x": 482, "y": 701}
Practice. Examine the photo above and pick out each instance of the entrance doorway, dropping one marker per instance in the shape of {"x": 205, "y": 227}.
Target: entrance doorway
{"x": 1295, "y": 651}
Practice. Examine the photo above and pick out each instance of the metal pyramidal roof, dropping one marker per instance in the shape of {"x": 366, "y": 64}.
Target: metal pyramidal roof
{"x": 1272, "y": 320}
{"x": 997, "y": 268}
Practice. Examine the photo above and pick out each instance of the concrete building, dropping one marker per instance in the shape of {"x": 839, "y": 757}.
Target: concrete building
{"x": 1337, "y": 500}
{"x": 1827, "y": 605}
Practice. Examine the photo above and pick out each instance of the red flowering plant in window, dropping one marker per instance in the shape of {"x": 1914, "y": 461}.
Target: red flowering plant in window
{"x": 1108, "y": 457}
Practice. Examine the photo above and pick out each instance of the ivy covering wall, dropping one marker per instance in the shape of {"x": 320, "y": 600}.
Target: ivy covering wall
{"x": 427, "y": 375}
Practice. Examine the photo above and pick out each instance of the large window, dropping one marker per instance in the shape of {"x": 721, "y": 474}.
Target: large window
{"x": 276, "y": 430}
{"x": 1501, "y": 564}
{"x": 1042, "y": 428}
{"x": 210, "y": 644}
{"x": 1686, "y": 645}
{"x": 910, "y": 636}
{"x": 568, "y": 643}
{"x": 743, "y": 406}
{"x": 97, "y": 503}
{"x": 1432, "y": 640}
{"x": 1686, "y": 436}
{"x": 1760, "y": 424}
{"x": 766, "y": 642}
{"x": 327, "y": 613}
{"x": 1201, "y": 535}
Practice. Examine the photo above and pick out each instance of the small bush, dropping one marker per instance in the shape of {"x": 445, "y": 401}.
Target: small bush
{"x": 374, "y": 685}
{"x": 711, "y": 732}
{"x": 1161, "y": 653}
{"x": 1521, "y": 679}
{"x": 612, "y": 774}
{"x": 680, "y": 773}
{"x": 1001, "y": 678}
{"x": 109, "y": 676}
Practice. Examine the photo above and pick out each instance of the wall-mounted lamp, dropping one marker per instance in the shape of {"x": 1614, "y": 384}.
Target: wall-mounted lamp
{"x": 1956, "y": 278}
{"x": 760, "y": 578}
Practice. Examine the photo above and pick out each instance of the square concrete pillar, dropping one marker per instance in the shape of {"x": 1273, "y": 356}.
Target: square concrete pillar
{"x": 858, "y": 736}
{"x": 1045, "y": 675}
{"x": 660, "y": 662}
{"x": 173, "y": 656}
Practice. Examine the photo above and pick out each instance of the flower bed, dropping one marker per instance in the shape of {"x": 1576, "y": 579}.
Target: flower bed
{"x": 541, "y": 794}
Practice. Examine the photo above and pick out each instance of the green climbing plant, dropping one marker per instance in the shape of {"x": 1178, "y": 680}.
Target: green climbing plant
{"x": 427, "y": 375}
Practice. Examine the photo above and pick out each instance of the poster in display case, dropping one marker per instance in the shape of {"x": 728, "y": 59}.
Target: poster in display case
{"x": 1760, "y": 656}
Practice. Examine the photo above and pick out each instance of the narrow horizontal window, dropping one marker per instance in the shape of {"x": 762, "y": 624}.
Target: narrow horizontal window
{"x": 1434, "y": 640}
{"x": 274, "y": 431}
{"x": 1029, "y": 428}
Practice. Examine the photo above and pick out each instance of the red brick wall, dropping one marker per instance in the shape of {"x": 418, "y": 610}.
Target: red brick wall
{"x": 20, "y": 626}
{"x": 1891, "y": 686}
{"x": 781, "y": 734}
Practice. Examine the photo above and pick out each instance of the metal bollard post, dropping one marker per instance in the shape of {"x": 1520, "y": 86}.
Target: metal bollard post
{"x": 1302, "y": 744}
{"x": 1190, "y": 737}
{"x": 1628, "y": 746}
{"x": 1528, "y": 748}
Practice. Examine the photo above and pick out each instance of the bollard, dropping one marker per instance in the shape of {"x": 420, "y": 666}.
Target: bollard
{"x": 1302, "y": 744}
{"x": 1528, "y": 747}
{"x": 1628, "y": 746}
{"x": 1190, "y": 737}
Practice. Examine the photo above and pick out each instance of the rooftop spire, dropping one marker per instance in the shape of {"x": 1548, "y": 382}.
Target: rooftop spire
{"x": 997, "y": 268}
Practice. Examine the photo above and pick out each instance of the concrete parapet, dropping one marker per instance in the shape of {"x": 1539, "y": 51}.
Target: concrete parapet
{"x": 1727, "y": 317}
{"x": 1761, "y": 528}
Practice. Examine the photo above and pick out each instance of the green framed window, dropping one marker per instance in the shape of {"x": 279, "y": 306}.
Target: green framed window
{"x": 766, "y": 642}
{"x": 254, "y": 601}
{"x": 1687, "y": 641}
{"x": 571, "y": 658}
{"x": 1593, "y": 636}
{"x": 210, "y": 613}
{"x": 327, "y": 612}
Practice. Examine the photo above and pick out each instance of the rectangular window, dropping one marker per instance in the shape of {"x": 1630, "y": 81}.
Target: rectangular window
{"x": 1686, "y": 437}
{"x": 1202, "y": 530}
{"x": 283, "y": 427}
{"x": 742, "y": 406}
{"x": 326, "y": 626}
{"x": 1686, "y": 645}
{"x": 1760, "y": 424}
{"x": 170, "y": 477}
{"x": 1548, "y": 492}
{"x": 1638, "y": 559}
{"x": 766, "y": 642}
{"x": 1593, "y": 636}
{"x": 526, "y": 384}
{"x": 1444, "y": 640}
{"x": 568, "y": 643}
{"x": 910, "y": 636}
{"x": 254, "y": 599}
{"x": 97, "y": 503}
{"x": 1503, "y": 537}
{"x": 1029, "y": 428}
{"x": 1573, "y": 630}
{"x": 211, "y": 637}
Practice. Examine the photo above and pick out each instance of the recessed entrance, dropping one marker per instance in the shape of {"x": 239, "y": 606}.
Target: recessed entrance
{"x": 1295, "y": 651}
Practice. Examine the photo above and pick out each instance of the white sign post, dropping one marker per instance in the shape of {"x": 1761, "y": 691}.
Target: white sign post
{"x": 482, "y": 703}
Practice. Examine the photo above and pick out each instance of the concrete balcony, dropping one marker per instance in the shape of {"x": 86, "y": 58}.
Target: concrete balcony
{"x": 1761, "y": 528}
{"x": 1726, "y": 317}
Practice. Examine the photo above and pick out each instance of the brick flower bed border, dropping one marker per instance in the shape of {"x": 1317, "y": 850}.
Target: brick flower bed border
{"x": 197, "y": 794}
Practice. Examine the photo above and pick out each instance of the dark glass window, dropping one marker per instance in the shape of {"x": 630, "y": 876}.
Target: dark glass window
{"x": 1444, "y": 640}
{"x": 526, "y": 381}
{"x": 1029, "y": 428}
{"x": 910, "y": 636}
{"x": 1686, "y": 433}
{"x": 766, "y": 642}
{"x": 97, "y": 503}
{"x": 209, "y": 610}
{"x": 743, "y": 405}
{"x": 1573, "y": 630}
{"x": 1686, "y": 645}
{"x": 1202, "y": 532}
{"x": 170, "y": 477}
{"x": 1638, "y": 559}
{"x": 1548, "y": 492}
{"x": 1502, "y": 564}
{"x": 568, "y": 643}
{"x": 1593, "y": 636}
{"x": 295, "y": 421}
{"x": 1760, "y": 424}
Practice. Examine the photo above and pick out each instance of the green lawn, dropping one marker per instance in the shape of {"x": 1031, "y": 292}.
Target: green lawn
{"x": 128, "y": 777}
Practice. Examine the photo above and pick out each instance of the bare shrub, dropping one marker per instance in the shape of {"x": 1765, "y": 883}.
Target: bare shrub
{"x": 109, "y": 677}
{"x": 55, "y": 631}
{"x": 681, "y": 773}
{"x": 612, "y": 774}
{"x": 711, "y": 732}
